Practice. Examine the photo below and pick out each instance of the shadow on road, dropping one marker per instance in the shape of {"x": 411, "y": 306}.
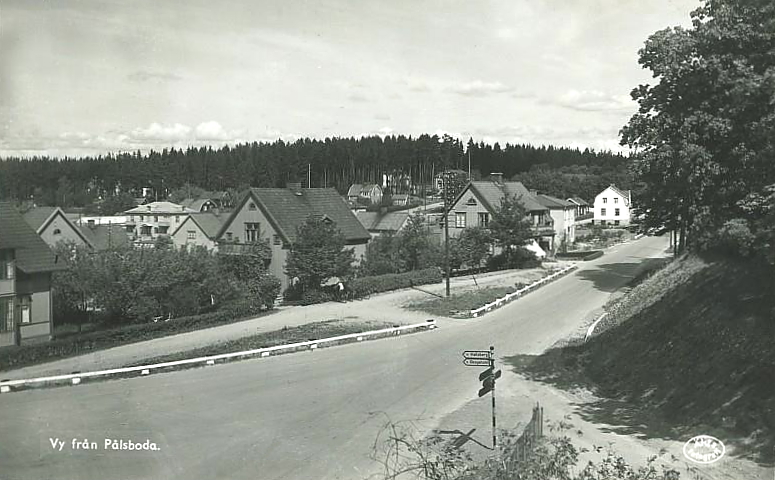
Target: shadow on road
{"x": 610, "y": 277}
{"x": 461, "y": 438}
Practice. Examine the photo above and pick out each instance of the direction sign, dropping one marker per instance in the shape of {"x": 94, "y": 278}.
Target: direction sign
{"x": 476, "y": 354}
{"x": 476, "y": 362}
{"x": 488, "y": 373}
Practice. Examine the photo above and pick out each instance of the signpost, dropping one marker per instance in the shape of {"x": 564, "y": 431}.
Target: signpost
{"x": 485, "y": 358}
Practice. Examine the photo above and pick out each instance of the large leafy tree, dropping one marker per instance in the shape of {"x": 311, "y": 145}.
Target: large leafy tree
{"x": 416, "y": 248}
{"x": 510, "y": 227}
{"x": 704, "y": 131}
{"x": 318, "y": 254}
{"x": 471, "y": 248}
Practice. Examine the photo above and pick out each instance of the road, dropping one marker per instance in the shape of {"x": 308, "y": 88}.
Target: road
{"x": 302, "y": 416}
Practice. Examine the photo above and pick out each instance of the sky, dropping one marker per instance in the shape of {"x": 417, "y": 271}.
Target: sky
{"x": 87, "y": 77}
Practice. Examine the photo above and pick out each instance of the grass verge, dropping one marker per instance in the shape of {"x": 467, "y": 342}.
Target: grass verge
{"x": 284, "y": 336}
{"x": 460, "y": 305}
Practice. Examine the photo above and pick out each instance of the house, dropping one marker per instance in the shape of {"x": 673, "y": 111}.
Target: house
{"x": 199, "y": 229}
{"x": 54, "y": 226}
{"x": 199, "y": 204}
{"x": 563, "y": 215}
{"x": 90, "y": 220}
{"x": 582, "y": 207}
{"x": 146, "y": 222}
{"x": 26, "y": 264}
{"x": 400, "y": 199}
{"x": 379, "y": 223}
{"x": 612, "y": 207}
{"x": 274, "y": 214}
{"x": 106, "y": 236}
{"x": 478, "y": 201}
{"x": 368, "y": 192}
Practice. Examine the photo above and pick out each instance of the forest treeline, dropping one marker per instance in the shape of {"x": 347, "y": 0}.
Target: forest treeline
{"x": 332, "y": 162}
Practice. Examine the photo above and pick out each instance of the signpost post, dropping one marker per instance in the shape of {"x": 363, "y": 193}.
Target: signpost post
{"x": 485, "y": 358}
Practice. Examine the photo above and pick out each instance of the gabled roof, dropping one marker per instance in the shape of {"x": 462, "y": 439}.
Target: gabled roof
{"x": 578, "y": 201}
{"x": 382, "y": 222}
{"x": 159, "y": 208}
{"x": 40, "y": 217}
{"x": 552, "y": 202}
{"x": 32, "y": 253}
{"x": 209, "y": 223}
{"x": 107, "y": 236}
{"x": 355, "y": 190}
{"x": 196, "y": 204}
{"x": 288, "y": 209}
{"x": 621, "y": 193}
{"x": 491, "y": 194}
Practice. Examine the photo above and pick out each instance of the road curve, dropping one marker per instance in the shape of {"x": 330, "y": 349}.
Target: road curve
{"x": 302, "y": 416}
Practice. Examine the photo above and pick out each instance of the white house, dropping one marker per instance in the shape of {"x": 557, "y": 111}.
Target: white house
{"x": 563, "y": 213}
{"x": 146, "y": 222}
{"x": 612, "y": 207}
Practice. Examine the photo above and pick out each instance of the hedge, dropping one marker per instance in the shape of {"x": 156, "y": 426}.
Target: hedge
{"x": 365, "y": 286}
{"x": 16, "y": 357}
{"x": 586, "y": 255}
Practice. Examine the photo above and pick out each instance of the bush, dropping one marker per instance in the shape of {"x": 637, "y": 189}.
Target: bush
{"x": 585, "y": 255}
{"x": 364, "y": 286}
{"x": 310, "y": 297}
{"x": 517, "y": 258}
{"x": 16, "y": 357}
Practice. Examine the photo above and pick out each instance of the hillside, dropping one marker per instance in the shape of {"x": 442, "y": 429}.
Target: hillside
{"x": 691, "y": 350}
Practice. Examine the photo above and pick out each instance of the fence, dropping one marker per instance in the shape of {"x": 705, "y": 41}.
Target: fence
{"x": 521, "y": 448}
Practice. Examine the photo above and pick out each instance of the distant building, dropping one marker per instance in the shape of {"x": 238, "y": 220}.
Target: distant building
{"x": 199, "y": 229}
{"x": 582, "y": 207}
{"x": 612, "y": 207}
{"x": 200, "y": 204}
{"x": 26, "y": 264}
{"x": 274, "y": 214}
{"x": 369, "y": 192}
{"x": 400, "y": 199}
{"x": 563, "y": 214}
{"x": 146, "y": 222}
{"x": 438, "y": 180}
{"x": 377, "y": 223}
{"x": 53, "y": 226}
{"x": 106, "y": 236}
{"x": 478, "y": 201}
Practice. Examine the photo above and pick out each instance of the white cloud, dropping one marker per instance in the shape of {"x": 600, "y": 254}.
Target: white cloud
{"x": 479, "y": 88}
{"x": 157, "y": 132}
{"x": 594, "y": 101}
{"x": 211, "y": 131}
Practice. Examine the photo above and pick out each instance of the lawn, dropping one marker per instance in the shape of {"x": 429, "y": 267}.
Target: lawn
{"x": 461, "y": 304}
{"x": 284, "y": 336}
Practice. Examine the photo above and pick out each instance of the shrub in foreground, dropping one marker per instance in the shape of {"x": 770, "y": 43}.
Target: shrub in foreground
{"x": 365, "y": 286}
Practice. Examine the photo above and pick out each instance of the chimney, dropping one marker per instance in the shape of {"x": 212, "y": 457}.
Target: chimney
{"x": 497, "y": 177}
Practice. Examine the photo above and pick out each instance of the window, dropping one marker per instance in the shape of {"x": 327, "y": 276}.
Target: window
{"x": 605, "y": 200}
{"x": 177, "y": 218}
{"x": 616, "y": 222}
{"x": 229, "y": 236}
{"x": 24, "y": 309}
{"x": 276, "y": 239}
{"x": 616, "y": 212}
{"x": 57, "y": 231}
{"x": 191, "y": 234}
{"x": 460, "y": 220}
{"x": 602, "y": 212}
{"x": 251, "y": 206}
{"x": 145, "y": 230}
{"x": 163, "y": 230}
{"x": 155, "y": 218}
{"x": 6, "y": 265}
{"x": 6, "y": 314}
{"x": 141, "y": 218}
{"x": 471, "y": 201}
{"x": 484, "y": 219}
{"x": 252, "y": 232}
{"x": 616, "y": 199}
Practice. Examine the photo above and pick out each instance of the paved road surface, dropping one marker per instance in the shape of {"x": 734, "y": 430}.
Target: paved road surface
{"x": 302, "y": 416}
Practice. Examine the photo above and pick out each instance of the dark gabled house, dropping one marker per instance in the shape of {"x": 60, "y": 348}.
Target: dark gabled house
{"x": 54, "y": 226}
{"x": 478, "y": 201}
{"x": 274, "y": 214}
{"x": 26, "y": 264}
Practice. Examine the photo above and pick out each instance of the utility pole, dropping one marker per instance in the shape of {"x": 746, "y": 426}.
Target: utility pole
{"x": 309, "y": 175}
{"x": 444, "y": 180}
